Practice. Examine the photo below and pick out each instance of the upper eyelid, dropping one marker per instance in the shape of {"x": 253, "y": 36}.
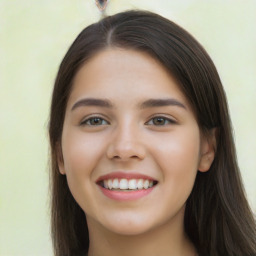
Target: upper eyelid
{"x": 85, "y": 119}
{"x": 172, "y": 119}
{"x": 94, "y": 115}
{"x": 170, "y": 122}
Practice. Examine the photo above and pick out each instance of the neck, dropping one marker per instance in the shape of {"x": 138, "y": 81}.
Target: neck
{"x": 168, "y": 239}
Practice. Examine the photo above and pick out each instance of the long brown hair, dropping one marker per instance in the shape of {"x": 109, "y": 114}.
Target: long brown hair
{"x": 218, "y": 219}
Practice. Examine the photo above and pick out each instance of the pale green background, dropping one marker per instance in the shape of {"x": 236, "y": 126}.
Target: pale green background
{"x": 34, "y": 35}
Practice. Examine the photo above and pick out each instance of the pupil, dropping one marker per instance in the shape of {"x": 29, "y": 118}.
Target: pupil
{"x": 158, "y": 121}
{"x": 96, "y": 121}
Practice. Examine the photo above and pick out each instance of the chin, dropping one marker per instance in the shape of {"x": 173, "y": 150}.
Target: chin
{"x": 134, "y": 225}
{"x": 129, "y": 230}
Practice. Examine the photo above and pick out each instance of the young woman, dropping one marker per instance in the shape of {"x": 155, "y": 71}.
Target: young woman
{"x": 143, "y": 159}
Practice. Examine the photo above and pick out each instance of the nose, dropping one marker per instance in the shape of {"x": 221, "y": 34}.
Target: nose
{"x": 126, "y": 144}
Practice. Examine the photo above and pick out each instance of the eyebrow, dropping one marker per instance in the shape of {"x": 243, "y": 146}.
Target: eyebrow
{"x": 161, "y": 103}
{"x": 146, "y": 104}
{"x": 92, "y": 102}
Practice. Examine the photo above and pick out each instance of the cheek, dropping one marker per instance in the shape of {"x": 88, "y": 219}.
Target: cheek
{"x": 178, "y": 158}
{"x": 81, "y": 155}
{"x": 81, "y": 152}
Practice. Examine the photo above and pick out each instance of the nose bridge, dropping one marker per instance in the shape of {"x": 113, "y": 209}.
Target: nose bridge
{"x": 125, "y": 142}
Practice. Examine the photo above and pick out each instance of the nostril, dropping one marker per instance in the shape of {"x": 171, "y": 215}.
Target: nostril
{"x": 125, "y": 152}
{"x": 125, "y": 146}
{"x": 117, "y": 157}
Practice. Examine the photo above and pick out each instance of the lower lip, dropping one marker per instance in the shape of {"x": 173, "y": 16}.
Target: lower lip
{"x": 125, "y": 195}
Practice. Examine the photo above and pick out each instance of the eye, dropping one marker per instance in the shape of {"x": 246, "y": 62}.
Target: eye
{"x": 160, "y": 121}
{"x": 94, "y": 121}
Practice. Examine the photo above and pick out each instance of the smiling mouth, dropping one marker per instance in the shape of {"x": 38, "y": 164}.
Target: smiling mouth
{"x": 127, "y": 185}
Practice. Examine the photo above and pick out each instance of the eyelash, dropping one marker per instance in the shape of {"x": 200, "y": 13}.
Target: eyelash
{"x": 167, "y": 121}
{"x": 90, "y": 119}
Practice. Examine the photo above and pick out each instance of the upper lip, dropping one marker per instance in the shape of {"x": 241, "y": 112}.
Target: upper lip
{"x": 124, "y": 175}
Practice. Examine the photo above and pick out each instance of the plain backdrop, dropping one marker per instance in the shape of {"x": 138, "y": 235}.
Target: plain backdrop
{"x": 34, "y": 36}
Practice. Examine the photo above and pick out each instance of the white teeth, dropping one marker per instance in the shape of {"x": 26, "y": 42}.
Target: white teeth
{"x": 109, "y": 184}
{"x": 146, "y": 184}
{"x": 140, "y": 184}
{"x": 115, "y": 183}
{"x": 132, "y": 184}
{"x": 125, "y": 184}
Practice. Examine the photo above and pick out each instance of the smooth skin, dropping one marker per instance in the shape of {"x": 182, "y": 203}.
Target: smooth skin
{"x": 123, "y": 131}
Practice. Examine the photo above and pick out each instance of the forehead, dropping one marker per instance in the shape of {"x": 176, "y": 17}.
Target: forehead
{"x": 118, "y": 73}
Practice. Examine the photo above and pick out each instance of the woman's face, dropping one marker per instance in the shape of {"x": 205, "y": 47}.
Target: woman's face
{"x": 131, "y": 145}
